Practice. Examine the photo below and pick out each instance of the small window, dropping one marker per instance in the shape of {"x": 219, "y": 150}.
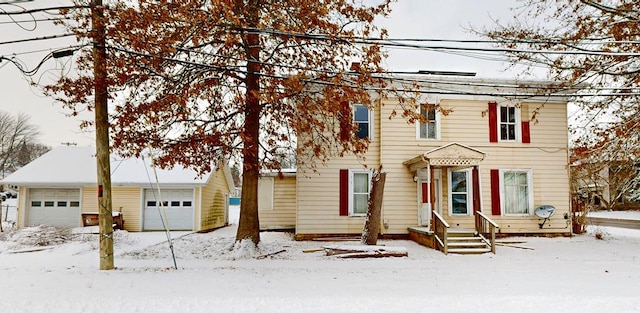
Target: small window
{"x": 360, "y": 189}
{"x": 165, "y": 203}
{"x": 62, "y": 203}
{"x": 429, "y": 128}
{"x": 508, "y": 122}
{"x": 362, "y": 118}
{"x": 36, "y": 203}
{"x": 186, "y": 203}
{"x": 175, "y": 203}
{"x": 151, "y": 203}
{"x": 74, "y": 204}
{"x": 49, "y": 203}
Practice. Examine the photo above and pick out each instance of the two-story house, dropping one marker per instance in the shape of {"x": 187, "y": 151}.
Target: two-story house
{"x": 486, "y": 155}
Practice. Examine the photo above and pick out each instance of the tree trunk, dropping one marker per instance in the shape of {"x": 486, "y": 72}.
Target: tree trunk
{"x": 374, "y": 210}
{"x": 249, "y": 225}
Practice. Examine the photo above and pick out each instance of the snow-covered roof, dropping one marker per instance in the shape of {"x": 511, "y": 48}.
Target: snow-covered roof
{"x": 76, "y": 166}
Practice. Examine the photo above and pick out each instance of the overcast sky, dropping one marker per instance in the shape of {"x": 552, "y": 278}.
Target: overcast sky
{"x": 445, "y": 19}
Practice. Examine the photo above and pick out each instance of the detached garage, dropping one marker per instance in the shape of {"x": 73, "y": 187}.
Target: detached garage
{"x": 61, "y": 185}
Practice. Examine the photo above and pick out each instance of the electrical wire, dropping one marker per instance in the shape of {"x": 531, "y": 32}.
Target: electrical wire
{"x": 161, "y": 210}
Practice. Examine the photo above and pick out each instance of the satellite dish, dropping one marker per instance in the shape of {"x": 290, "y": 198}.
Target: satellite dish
{"x": 544, "y": 211}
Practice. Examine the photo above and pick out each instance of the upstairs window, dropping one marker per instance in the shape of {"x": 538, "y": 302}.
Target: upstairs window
{"x": 362, "y": 117}
{"x": 508, "y": 123}
{"x": 429, "y": 128}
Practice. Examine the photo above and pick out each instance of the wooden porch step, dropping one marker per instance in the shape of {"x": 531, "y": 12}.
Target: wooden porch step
{"x": 462, "y": 241}
{"x": 464, "y": 238}
{"x": 467, "y": 244}
{"x": 469, "y": 250}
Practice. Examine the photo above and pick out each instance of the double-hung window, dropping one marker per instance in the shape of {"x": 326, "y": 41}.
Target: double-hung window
{"x": 362, "y": 117}
{"x": 428, "y": 128}
{"x": 509, "y": 122}
{"x": 517, "y": 192}
{"x": 360, "y": 186}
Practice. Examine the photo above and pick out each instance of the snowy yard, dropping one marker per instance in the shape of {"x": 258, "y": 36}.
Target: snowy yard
{"x": 579, "y": 274}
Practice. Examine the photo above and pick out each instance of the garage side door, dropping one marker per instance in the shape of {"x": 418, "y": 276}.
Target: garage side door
{"x": 54, "y": 207}
{"x": 178, "y": 205}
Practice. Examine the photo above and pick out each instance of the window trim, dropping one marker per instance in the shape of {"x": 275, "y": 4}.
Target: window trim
{"x": 469, "y": 192}
{"x": 418, "y": 123}
{"x": 370, "y": 117}
{"x": 517, "y": 124}
{"x": 351, "y": 193}
{"x": 530, "y": 201}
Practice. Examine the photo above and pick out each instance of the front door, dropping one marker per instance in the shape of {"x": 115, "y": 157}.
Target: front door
{"x": 424, "y": 203}
{"x": 428, "y": 201}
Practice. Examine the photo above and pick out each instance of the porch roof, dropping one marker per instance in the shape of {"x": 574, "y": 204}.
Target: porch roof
{"x": 452, "y": 154}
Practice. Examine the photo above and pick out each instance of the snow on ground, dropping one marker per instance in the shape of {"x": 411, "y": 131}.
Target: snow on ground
{"x": 578, "y": 274}
{"x": 625, "y": 215}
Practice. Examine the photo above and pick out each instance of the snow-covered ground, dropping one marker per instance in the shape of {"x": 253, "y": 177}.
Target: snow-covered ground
{"x": 625, "y": 215}
{"x": 578, "y": 274}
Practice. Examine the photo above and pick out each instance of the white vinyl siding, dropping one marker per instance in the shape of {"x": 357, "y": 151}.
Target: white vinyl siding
{"x": 517, "y": 192}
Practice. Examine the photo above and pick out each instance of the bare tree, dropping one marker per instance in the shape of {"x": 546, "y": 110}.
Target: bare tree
{"x": 593, "y": 45}
{"x": 15, "y": 131}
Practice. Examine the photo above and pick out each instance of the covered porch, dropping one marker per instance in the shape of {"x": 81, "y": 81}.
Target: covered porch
{"x": 450, "y": 214}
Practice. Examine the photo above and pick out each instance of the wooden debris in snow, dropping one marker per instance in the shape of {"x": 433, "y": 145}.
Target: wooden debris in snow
{"x": 365, "y": 251}
{"x": 270, "y": 254}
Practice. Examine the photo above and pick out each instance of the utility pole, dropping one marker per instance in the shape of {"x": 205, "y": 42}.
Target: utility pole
{"x": 102, "y": 135}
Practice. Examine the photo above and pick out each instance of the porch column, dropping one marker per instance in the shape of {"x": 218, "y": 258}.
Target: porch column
{"x": 475, "y": 173}
{"x": 432, "y": 195}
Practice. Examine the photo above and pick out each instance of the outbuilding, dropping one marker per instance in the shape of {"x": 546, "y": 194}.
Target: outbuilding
{"x": 60, "y": 187}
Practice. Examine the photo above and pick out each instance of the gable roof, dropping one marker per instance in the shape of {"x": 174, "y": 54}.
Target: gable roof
{"x": 76, "y": 166}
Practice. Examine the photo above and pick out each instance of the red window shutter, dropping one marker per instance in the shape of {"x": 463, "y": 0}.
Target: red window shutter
{"x": 495, "y": 192}
{"x": 526, "y": 134}
{"x": 493, "y": 122}
{"x": 344, "y": 192}
{"x": 425, "y": 192}
{"x": 345, "y": 121}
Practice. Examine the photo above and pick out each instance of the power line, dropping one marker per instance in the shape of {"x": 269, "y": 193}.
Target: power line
{"x": 43, "y": 10}
{"x": 37, "y": 39}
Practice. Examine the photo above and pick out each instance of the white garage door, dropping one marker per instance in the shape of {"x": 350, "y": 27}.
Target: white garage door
{"x": 54, "y": 207}
{"x": 177, "y": 204}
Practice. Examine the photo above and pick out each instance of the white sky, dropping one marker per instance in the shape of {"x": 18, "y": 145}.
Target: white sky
{"x": 410, "y": 19}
